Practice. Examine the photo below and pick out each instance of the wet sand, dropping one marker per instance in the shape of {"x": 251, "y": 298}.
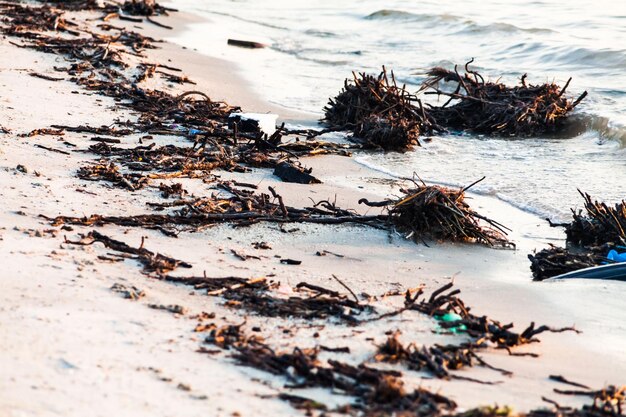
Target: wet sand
{"x": 71, "y": 346}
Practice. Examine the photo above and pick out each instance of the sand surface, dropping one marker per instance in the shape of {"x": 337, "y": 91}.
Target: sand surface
{"x": 72, "y": 347}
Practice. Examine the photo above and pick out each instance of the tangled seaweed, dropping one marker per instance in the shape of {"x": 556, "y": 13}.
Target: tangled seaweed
{"x": 554, "y": 261}
{"x": 589, "y": 237}
{"x": 152, "y": 262}
{"x": 437, "y": 360}
{"x": 383, "y": 115}
{"x": 496, "y": 109}
{"x": 441, "y": 213}
{"x": 253, "y": 295}
{"x": 601, "y": 224}
{"x": 377, "y": 392}
{"x": 379, "y": 112}
{"x": 481, "y": 329}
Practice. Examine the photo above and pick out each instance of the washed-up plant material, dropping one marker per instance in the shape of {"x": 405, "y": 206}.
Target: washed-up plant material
{"x": 97, "y": 62}
{"x": 376, "y": 392}
{"x": 590, "y": 236}
{"x": 424, "y": 212}
{"x": 110, "y": 173}
{"x": 555, "y": 260}
{"x": 240, "y": 209}
{"x": 441, "y": 213}
{"x": 384, "y": 115}
{"x": 254, "y": 295}
{"x": 481, "y": 329}
{"x": 600, "y": 224}
{"x": 379, "y": 112}
{"x": 492, "y": 108}
{"x": 144, "y": 8}
{"x": 437, "y": 360}
{"x": 152, "y": 262}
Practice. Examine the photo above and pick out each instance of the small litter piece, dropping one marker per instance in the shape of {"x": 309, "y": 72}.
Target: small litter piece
{"x": 246, "y": 44}
{"x": 616, "y": 256}
{"x": 450, "y": 317}
{"x": 289, "y": 172}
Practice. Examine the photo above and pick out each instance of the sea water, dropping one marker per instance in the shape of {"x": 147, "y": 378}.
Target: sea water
{"x": 314, "y": 46}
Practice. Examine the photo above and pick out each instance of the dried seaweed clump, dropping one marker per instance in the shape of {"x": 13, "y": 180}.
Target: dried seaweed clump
{"x": 435, "y": 212}
{"x": 377, "y": 392}
{"x": 386, "y": 116}
{"x": 589, "y": 238}
{"x": 497, "y": 109}
{"x": 144, "y": 8}
{"x": 607, "y": 402}
{"x": 481, "y": 329}
{"x": 379, "y": 112}
{"x": 438, "y": 360}
{"x": 555, "y": 260}
{"x": 254, "y": 295}
{"x": 601, "y": 224}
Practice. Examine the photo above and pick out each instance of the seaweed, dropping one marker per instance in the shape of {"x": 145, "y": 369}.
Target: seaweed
{"x": 493, "y": 108}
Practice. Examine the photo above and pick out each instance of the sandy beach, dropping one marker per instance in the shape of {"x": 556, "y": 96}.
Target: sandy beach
{"x": 70, "y": 346}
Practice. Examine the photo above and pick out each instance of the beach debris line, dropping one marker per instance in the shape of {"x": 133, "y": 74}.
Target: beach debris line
{"x": 441, "y": 213}
{"x": 423, "y": 212}
{"x": 591, "y": 237}
{"x": 247, "y": 294}
{"x": 253, "y": 295}
{"x": 376, "y": 392}
{"x": 382, "y": 114}
{"x": 379, "y": 392}
{"x": 97, "y": 63}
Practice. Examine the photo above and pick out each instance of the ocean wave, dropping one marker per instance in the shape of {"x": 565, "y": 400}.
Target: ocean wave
{"x": 473, "y": 28}
{"x": 243, "y": 19}
{"x": 468, "y": 26}
{"x": 390, "y": 14}
{"x": 606, "y": 58}
{"x": 604, "y": 127}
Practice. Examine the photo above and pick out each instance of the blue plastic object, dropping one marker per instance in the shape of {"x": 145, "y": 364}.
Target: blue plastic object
{"x": 194, "y": 132}
{"x": 615, "y": 256}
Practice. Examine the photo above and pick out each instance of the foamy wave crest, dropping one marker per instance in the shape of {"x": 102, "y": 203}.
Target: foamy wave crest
{"x": 463, "y": 25}
{"x": 390, "y": 14}
{"x": 603, "y": 126}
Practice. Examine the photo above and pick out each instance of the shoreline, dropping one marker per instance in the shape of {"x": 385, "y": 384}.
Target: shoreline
{"x": 38, "y": 292}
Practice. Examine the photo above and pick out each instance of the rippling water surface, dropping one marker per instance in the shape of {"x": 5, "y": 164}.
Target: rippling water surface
{"x": 315, "y": 45}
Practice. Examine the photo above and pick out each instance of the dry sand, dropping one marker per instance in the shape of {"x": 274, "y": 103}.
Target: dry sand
{"x": 72, "y": 347}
